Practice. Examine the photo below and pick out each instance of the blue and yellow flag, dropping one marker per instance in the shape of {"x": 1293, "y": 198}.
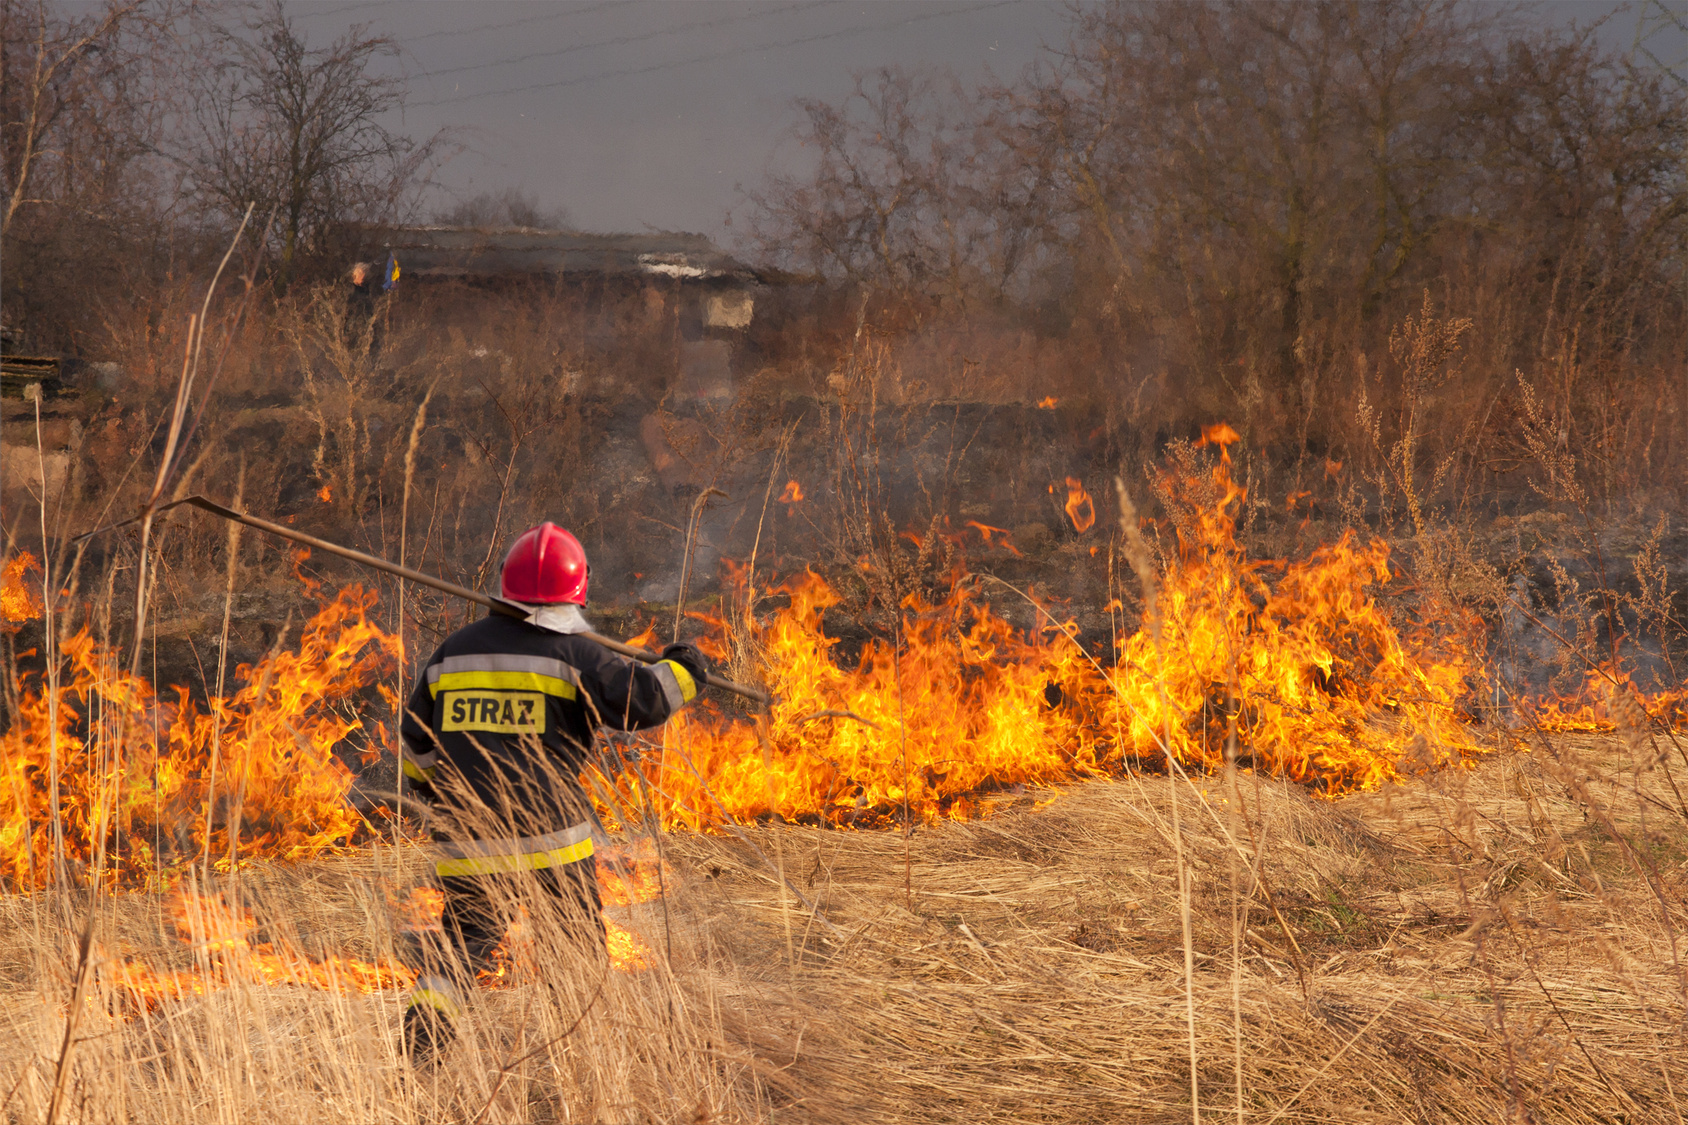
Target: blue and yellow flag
{"x": 390, "y": 276}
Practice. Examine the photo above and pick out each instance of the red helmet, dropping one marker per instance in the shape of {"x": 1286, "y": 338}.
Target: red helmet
{"x": 545, "y": 566}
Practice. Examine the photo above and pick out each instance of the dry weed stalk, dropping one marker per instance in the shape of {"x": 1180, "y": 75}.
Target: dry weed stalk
{"x": 233, "y": 549}
{"x": 1137, "y": 554}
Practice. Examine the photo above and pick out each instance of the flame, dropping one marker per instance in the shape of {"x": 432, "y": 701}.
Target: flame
{"x": 325, "y": 494}
{"x": 1607, "y": 701}
{"x": 1222, "y": 435}
{"x": 628, "y": 951}
{"x": 1323, "y": 687}
{"x": 420, "y": 912}
{"x": 1294, "y": 659}
{"x": 155, "y": 782}
{"x": 1047, "y": 403}
{"x": 793, "y": 493}
{"x": 1079, "y": 507}
{"x": 628, "y": 876}
{"x": 986, "y": 531}
{"x": 20, "y": 597}
{"x": 220, "y": 936}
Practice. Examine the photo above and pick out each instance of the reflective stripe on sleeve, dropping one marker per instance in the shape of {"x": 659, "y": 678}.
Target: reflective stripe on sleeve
{"x": 677, "y": 683}
{"x": 519, "y": 853}
{"x": 438, "y": 993}
{"x": 418, "y": 766}
{"x": 415, "y": 772}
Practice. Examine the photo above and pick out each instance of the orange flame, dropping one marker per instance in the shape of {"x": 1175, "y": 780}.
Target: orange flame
{"x": 1220, "y": 434}
{"x": 1048, "y": 403}
{"x": 20, "y": 597}
{"x": 1296, "y": 656}
{"x": 793, "y": 493}
{"x": 137, "y": 773}
{"x": 220, "y": 937}
{"x": 626, "y": 877}
{"x": 1606, "y": 701}
{"x": 986, "y": 531}
{"x": 325, "y": 494}
{"x": 1079, "y": 507}
{"x": 628, "y": 951}
{"x": 1324, "y": 686}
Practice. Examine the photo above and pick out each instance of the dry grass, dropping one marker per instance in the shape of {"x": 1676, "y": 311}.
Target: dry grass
{"x": 1476, "y": 946}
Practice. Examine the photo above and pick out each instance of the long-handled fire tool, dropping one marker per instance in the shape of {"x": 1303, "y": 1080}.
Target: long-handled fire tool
{"x": 497, "y": 605}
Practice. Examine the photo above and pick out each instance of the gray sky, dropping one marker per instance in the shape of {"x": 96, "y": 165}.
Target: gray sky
{"x": 650, "y": 113}
{"x": 638, "y": 114}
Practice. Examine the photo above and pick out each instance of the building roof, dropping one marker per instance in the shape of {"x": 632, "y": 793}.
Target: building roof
{"x": 480, "y": 252}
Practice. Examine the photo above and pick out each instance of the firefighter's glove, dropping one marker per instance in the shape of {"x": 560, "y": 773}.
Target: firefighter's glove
{"x": 689, "y": 657}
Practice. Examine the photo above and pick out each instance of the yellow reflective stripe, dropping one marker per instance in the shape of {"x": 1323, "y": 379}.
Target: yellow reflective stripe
{"x": 437, "y": 1000}
{"x": 688, "y": 685}
{"x": 506, "y": 681}
{"x": 500, "y": 864}
{"x": 412, "y": 771}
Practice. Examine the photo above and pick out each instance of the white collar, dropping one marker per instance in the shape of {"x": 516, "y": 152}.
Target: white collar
{"x": 562, "y": 618}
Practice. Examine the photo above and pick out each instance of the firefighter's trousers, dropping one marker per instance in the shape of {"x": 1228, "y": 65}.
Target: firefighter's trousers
{"x": 473, "y": 925}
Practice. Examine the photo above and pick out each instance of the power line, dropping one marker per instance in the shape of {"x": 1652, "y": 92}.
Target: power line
{"x": 622, "y": 39}
{"x": 349, "y": 8}
{"x": 717, "y": 55}
{"x": 567, "y": 13}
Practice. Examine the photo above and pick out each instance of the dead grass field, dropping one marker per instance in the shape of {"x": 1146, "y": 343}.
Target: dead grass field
{"x": 1498, "y": 944}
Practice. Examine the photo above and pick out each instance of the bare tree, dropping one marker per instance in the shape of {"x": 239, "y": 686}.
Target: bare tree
{"x": 299, "y": 131}
{"x": 56, "y": 86}
{"x": 85, "y": 201}
{"x": 907, "y": 195}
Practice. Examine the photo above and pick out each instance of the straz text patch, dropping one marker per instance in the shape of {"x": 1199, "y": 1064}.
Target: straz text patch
{"x": 505, "y": 712}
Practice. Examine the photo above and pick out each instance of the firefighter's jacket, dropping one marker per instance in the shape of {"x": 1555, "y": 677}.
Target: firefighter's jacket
{"x": 506, "y": 711}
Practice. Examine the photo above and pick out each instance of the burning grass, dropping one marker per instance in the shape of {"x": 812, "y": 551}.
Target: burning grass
{"x": 1300, "y": 665}
{"x": 157, "y": 783}
{"x": 1372, "y": 936}
{"x": 1500, "y": 943}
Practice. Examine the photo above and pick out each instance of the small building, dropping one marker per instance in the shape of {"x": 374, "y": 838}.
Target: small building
{"x": 684, "y": 279}
{"x": 26, "y": 376}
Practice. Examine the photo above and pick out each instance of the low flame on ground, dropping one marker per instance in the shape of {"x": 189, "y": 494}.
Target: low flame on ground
{"x": 793, "y": 493}
{"x": 628, "y": 952}
{"x": 993, "y": 536}
{"x": 221, "y": 937}
{"x": 225, "y": 954}
{"x": 630, "y": 875}
{"x": 20, "y": 591}
{"x": 1608, "y": 702}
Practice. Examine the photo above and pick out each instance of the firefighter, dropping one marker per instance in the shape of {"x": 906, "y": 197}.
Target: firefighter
{"x": 496, "y": 732}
